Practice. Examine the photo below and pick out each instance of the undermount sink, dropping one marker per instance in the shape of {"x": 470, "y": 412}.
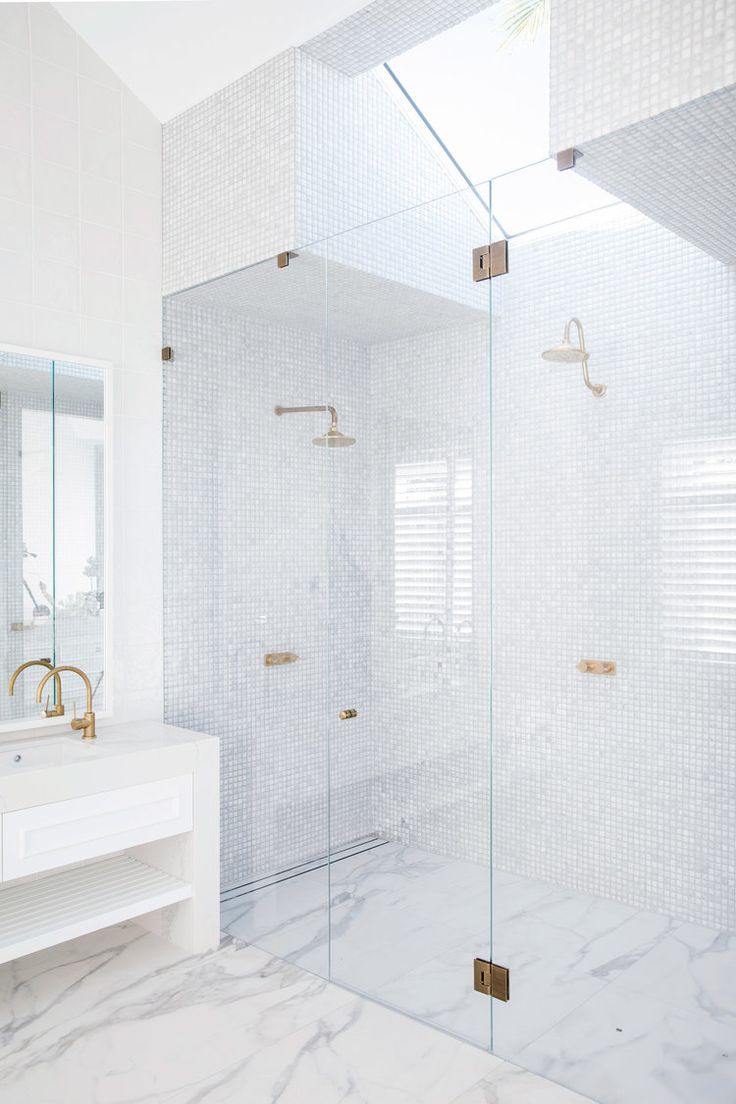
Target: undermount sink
{"x": 39, "y": 752}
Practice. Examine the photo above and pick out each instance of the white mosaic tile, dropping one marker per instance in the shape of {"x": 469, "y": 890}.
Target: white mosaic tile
{"x": 677, "y": 168}
{"x": 611, "y": 66}
{"x": 385, "y": 29}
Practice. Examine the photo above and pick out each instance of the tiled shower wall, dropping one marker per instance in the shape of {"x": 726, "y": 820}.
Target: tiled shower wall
{"x": 613, "y": 538}
{"x": 262, "y": 532}
{"x": 612, "y": 65}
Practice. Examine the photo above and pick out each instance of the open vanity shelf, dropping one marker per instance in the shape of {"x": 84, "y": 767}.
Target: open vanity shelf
{"x": 50, "y": 909}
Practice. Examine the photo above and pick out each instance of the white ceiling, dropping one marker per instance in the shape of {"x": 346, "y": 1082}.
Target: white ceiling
{"x": 173, "y": 53}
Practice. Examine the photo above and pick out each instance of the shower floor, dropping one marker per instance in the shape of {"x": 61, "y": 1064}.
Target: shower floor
{"x": 620, "y": 1004}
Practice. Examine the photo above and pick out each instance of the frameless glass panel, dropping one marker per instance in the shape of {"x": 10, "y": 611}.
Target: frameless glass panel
{"x": 26, "y": 512}
{"x": 409, "y": 611}
{"x": 79, "y": 526}
{"x": 614, "y": 691}
{"x": 246, "y": 530}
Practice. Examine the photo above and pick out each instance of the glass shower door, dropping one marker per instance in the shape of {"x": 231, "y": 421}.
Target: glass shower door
{"x": 409, "y": 620}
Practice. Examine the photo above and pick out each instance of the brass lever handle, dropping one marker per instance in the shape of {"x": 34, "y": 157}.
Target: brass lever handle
{"x": 348, "y": 714}
{"x": 597, "y": 667}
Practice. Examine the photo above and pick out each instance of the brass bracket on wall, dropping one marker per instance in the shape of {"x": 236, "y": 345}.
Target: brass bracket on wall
{"x": 491, "y": 260}
{"x": 490, "y": 979}
{"x": 282, "y": 259}
{"x": 167, "y": 353}
{"x": 566, "y": 159}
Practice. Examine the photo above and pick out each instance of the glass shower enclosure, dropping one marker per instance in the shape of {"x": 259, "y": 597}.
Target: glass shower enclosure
{"x": 346, "y": 607}
{"x": 472, "y": 673}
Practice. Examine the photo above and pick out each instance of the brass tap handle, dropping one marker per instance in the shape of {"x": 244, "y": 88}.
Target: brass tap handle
{"x": 348, "y": 714}
{"x": 85, "y": 724}
{"x": 56, "y": 710}
{"x": 597, "y": 667}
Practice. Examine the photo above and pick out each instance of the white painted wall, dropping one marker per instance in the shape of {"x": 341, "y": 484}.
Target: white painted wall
{"x": 80, "y": 274}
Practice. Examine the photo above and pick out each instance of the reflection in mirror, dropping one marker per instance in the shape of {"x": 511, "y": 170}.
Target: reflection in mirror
{"x": 52, "y": 587}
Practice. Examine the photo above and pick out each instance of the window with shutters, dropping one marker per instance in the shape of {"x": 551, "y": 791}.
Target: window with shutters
{"x": 433, "y": 546}
{"x": 699, "y": 547}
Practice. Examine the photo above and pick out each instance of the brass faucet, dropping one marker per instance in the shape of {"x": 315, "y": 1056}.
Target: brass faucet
{"x": 85, "y": 724}
{"x": 56, "y": 710}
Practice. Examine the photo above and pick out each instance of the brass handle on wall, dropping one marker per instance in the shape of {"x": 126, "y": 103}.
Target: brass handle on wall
{"x": 597, "y": 667}
{"x": 348, "y": 714}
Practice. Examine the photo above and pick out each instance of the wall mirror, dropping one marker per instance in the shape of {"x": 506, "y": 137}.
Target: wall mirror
{"x": 53, "y": 512}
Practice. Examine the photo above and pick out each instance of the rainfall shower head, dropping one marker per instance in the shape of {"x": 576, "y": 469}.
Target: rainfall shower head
{"x": 567, "y": 353}
{"x": 333, "y": 438}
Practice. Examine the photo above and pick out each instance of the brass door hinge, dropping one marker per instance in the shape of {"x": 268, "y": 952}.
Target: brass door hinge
{"x": 167, "y": 353}
{"x": 491, "y": 260}
{"x": 490, "y": 979}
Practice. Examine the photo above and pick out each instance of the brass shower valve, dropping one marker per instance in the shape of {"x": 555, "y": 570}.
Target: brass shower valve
{"x": 597, "y": 667}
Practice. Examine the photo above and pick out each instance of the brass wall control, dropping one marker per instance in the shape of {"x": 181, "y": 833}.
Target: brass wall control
{"x": 278, "y": 659}
{"x": 348, "y": 714}
{"x": 597, "y": 667}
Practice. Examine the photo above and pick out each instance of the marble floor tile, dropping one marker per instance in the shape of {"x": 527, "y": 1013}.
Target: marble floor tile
{"x": 692, "y": 968}
{"x": 509, "y": 1084}
{"x": 128, "y": 1019}
{"x": 360, "y": 1052}
{"x": 620, "y": 1048}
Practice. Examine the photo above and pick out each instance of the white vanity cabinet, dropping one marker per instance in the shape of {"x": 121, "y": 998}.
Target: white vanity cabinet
{"x": 123, "y": 829}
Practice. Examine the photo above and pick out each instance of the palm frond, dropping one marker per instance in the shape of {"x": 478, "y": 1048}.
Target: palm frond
{"x": 524, "y": 19}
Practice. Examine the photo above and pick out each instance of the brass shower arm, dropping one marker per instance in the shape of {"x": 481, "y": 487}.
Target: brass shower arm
{"x": 581, "y": 335}
{"x": 279, "y": 410}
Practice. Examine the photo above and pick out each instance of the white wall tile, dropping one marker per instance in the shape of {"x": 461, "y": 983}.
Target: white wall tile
{"x": 100, "y": 154}
{"x": 55, "y": 89}
{"x": 15, "y": 74}
{"x": 16, "y": 320}
{"x": 139, "y": 125}
{"x": 56, "y": 330}
{"x": 100, "y": 107}
{"x": 15, "y": 226}
{"x": 142, "y": 214}
{"x": 101, "y": 201}
{"x": 92, "y": 66}
{"x": 15, "y": 276}
{"x": 140, "y": 166}
{"x": 102, "y": 249}
{"x": 52, "y": 39}
{"x": 102, "y": 296}
{"x": 55, "y": 188}
{"x": 16, "y": 125}
{"x": 56, "y": 237}
{"x": 55, "y": 139}
{"x": 14, "y": 25}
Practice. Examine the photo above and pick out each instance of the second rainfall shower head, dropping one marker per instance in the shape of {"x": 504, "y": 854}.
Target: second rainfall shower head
{"x": 567, "y": 353}
{"x": 333, "y": 438}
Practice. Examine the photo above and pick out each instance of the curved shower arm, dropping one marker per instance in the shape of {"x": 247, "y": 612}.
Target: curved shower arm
{"x": 581, "y": 335}
{"x": 598, "y": 389}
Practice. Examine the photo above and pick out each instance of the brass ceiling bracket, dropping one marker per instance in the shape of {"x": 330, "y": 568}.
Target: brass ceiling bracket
{"x": 491, "y": 260}
{"x": 490, "y": 979}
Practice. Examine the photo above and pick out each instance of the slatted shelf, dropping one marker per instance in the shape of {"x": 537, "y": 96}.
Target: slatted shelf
{"x": 44, "y": 911}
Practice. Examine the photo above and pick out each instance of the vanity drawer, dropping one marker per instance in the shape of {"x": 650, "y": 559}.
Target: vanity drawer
{"x": 63, "y": 832}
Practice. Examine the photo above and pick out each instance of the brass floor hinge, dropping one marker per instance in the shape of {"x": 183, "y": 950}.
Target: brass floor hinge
{"x": 490, "y": 979}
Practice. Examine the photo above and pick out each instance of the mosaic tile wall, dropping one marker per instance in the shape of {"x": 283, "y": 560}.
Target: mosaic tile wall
{"x": 254, "y": 515}
{"x": 659, "y": 165}
{"x": 385, "y": 29}
{"x": 613, "y": 65}
{"x": 229, "y": 177}
{"x": 604, "y": 547}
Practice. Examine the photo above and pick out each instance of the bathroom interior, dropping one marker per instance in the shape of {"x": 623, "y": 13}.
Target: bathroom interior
{"x": 368, "y": 553}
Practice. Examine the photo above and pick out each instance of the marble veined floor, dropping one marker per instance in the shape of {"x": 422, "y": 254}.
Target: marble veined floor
{"x": 120, "y": 1017}
{"x": 623, "y": 1005}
